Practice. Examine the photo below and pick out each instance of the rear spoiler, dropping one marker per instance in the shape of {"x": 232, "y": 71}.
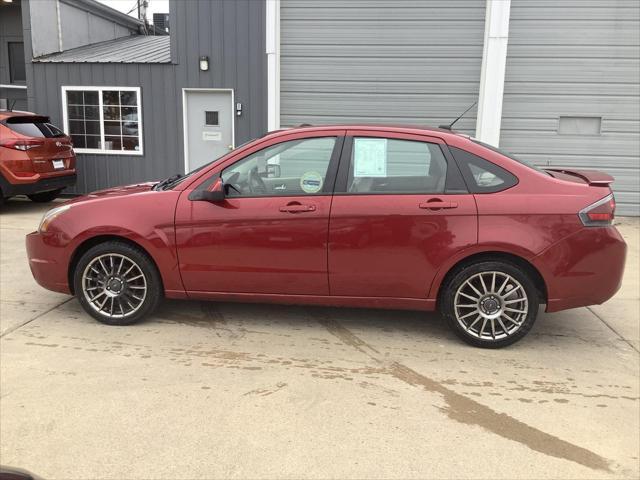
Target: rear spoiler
{"x": 592, "y": 177}
{"x": 28, "y": 119}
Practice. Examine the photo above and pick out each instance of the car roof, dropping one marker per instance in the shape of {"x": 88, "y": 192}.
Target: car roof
{"x": 412, "y": 129}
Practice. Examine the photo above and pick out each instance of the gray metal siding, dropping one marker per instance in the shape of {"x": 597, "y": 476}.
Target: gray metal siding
{"x": 578, "y": 58}
{"x": 376, "y": 61}
{"x": 10, "y": 31}
{"x": 230, "y": 32}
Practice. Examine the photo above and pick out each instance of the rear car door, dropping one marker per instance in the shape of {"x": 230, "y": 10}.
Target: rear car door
{"x": 400, "y": 209}
{"x": 269, "y": 235}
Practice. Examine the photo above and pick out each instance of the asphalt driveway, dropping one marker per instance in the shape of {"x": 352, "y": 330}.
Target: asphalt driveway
{"x": 221, "y": 390}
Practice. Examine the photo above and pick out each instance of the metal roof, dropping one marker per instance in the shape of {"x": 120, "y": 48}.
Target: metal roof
{"x": 133, "y": 49}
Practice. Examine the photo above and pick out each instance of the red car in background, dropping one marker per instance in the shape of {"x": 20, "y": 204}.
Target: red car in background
{"x": 389, "y": 217}
{"x": 36, "y": 158}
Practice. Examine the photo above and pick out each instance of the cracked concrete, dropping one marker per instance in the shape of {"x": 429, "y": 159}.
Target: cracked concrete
{"x": 210, "y": 390}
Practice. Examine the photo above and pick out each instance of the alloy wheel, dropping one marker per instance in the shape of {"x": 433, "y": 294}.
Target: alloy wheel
{"x": 491, "y": 305}
{"x": 114, "y": 285}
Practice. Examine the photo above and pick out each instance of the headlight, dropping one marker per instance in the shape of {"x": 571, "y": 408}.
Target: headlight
{"x": 50, "y": 215}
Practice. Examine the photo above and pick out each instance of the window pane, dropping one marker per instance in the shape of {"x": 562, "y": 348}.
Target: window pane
{"x": 76, "y": 127}
{"x": 130, "y": 143}
{"x": 78, "y": 141}
{"x": 297, "y": 167}
{"x": 128, "y": 98}
{"x": 130, "y": 114}
{"x": 91, "y": 98}
{"x": 110, "y": 97}
{"x": 75, "y": 98}
{"x": 112, "y": 128}
{"x": 93, "y": 141}
{"x": 92, "y": 127}
{"x": 17, "y": 72}
{"x": 111, "y": 113}
{"x": 112, "y": 143}
{"x": 92, "y": 113}
{"x": 76, "y": 113}
{"x": 130, "y": 128}
{"x": 385, "y": 165}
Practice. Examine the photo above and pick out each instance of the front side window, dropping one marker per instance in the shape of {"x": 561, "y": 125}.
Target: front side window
{"x": 386, "y": 165}
{"x": 104, "y": 120}
{"x": 293, "y": 168}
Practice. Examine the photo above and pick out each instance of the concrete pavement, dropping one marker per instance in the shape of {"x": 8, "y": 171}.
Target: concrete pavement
{"x": 221, "y": 390}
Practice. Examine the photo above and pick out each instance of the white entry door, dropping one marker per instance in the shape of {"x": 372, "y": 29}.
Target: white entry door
{"x": 208, "y": 125}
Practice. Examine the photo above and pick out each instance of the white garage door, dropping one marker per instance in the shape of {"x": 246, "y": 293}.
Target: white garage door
{"x": 369, "y": 61}
{"x": 572, "y": 89}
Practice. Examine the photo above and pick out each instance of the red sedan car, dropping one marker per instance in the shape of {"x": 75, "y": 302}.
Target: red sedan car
{"x": 36, "y": 158}
{"x": 363, "y": 216}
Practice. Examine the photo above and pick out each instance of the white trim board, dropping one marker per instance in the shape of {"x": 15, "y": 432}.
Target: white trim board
{"x": 492, "y": 73}
{"x": 273, "y": 63}
{"x": 185, "y": 123}
{"x": 99, "y": 151}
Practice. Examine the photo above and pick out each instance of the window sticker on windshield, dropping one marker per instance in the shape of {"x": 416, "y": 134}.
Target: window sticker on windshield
{"x": 370, "y": 157}
{"x": 311, "y": 182}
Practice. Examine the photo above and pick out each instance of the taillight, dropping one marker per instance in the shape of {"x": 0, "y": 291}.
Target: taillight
{"x": 22, "y": 145}
{"x": 599, "y": 214}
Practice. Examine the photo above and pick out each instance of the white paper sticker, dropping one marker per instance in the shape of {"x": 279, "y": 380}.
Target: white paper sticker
{"x": 370, "y": 157}
{"x": 211, "y": 136}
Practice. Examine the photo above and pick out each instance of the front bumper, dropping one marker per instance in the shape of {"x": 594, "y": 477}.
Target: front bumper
{"x": 49, "y": 266}
{"x": 586, "y": 268}
{"x": 43, "y": 184}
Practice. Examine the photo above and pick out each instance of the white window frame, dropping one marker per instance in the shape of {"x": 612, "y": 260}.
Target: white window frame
{"x": 99, "y": 151}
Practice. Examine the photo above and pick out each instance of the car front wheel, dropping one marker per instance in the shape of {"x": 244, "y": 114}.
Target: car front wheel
{"x": 490, "y": 304}
{"x": 117, "y": 283}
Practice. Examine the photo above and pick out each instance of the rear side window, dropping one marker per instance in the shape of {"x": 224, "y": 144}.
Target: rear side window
{"x": 386, "y": 165}
{"x": 34, "y": 127}
{"x": 481, "y": 175}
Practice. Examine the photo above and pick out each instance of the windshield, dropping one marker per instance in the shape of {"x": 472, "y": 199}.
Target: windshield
{"x": 509, "y": 155}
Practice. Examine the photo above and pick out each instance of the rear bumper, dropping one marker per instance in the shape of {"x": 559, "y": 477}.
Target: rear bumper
{"x": 583, "y": 269}
{"x": 48, "y": 264}
{"x": 42, "y": 184}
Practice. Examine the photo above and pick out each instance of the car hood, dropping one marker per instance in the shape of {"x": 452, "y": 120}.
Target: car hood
{"x": 114, "y": 192}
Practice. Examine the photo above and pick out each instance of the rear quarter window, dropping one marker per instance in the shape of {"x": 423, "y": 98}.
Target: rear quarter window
{"x": 480, "y": 175}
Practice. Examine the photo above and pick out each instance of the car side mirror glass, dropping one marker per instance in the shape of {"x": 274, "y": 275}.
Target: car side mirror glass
{"x": 215, "y": 193}
{"x": 273, "y": 170}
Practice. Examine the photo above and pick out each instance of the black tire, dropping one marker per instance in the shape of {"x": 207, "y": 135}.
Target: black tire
{"x": 470, "y": 272}
{"x": 152, "y": 282}
{"x": 44, "y": 197}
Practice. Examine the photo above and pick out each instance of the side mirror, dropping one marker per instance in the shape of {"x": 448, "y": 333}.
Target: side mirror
{"x": 273, "y": 170}
{"x": 215, "y": 193}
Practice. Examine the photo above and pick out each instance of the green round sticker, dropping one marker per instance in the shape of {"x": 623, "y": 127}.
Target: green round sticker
{"x": 311, "y": 182}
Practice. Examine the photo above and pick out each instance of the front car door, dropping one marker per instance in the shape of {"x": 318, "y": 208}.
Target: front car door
{"x": 400, "y": 210}
{"x": 269, "y": 235}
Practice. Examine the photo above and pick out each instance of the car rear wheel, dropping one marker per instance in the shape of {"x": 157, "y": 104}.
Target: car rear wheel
{"x": 490, "y": 304}
{"x": 117, "y": 283}
{"x": 44, "y": 197}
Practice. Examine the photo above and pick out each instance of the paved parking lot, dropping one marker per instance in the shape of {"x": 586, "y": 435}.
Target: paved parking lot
{"x": 220, "y": 390}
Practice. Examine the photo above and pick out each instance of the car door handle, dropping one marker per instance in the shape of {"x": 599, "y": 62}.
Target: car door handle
{"x": 297, "y": 208}
{"x": 437, "y": 205}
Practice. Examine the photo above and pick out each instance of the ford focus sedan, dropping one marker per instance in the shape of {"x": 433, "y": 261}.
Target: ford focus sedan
{"x": 359, "y": 216}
